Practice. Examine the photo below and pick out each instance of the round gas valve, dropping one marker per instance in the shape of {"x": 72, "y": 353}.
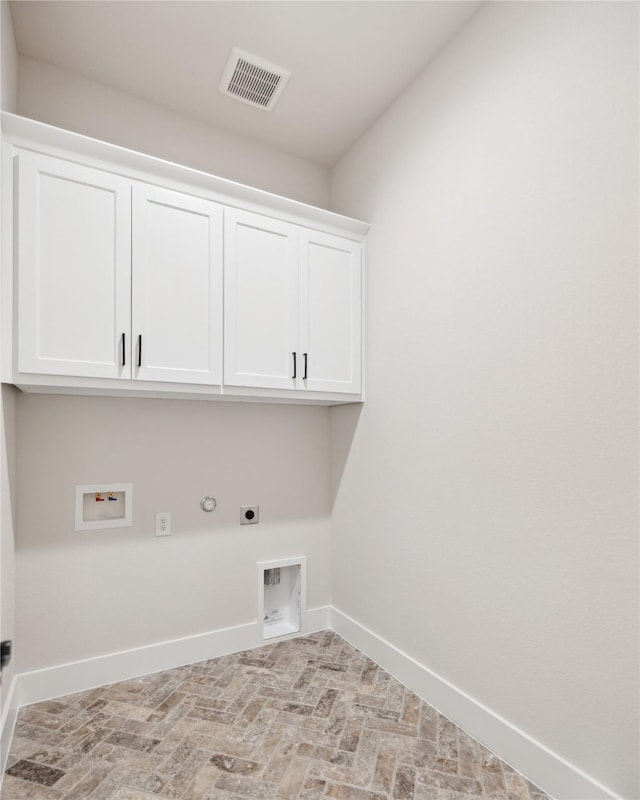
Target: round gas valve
{"x": 208, "y": 503}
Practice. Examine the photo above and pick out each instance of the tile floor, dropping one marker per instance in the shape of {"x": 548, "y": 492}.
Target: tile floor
{"x": 309, "y": 718}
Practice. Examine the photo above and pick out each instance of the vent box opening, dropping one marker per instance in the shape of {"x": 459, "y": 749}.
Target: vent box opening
{"x": 253, "y": 80}
{"x": 281, "y": 597}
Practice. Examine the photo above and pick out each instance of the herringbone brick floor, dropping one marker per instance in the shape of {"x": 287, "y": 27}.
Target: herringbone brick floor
{"x": 309, "y": 718}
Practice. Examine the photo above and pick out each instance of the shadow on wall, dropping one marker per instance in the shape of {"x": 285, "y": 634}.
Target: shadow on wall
{"x": 344, "y": 422}
{"x": 9, "y": 394}
{"x": 7, "y": 540}
{"x": 174, "y": 453}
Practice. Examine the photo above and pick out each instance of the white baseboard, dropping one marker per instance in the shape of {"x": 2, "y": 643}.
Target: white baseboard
{"x": 63, "y": 679}
{"x": 7, "y": 724}
{"x": 551, "y": 772}
{"x": 538, "y": 763}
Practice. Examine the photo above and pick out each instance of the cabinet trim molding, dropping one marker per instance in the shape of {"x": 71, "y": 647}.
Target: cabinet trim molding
{"x": 28, "y": 133}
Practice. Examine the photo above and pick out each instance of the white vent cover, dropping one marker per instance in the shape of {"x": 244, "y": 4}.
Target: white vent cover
{"x": 253, "y": 80}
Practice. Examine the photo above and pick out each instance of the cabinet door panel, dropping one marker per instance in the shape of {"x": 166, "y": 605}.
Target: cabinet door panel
{"x": 74, "y": 275}
{"x": 261, "y": 289}
{"x": 331, "y": 312}
{"x": 177, "y": 286}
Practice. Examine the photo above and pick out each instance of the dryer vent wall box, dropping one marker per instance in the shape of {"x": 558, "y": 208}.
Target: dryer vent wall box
{"x": 104, "y": 505}
{"x": 282, "y": 597}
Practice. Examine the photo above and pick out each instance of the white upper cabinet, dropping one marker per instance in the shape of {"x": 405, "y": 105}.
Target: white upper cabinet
{"x": 128, "y": 275}
{"x": 110, "y": 287}
{"x": 74, "y": 276}
{"x": 261, "y": 296}
{"x": 293, "y": 307}
{"x": 177, "y": 280}
{"x": 330, "y": 312}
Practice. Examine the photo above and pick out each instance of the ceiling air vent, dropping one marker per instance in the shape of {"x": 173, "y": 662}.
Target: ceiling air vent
{"x": 253, "y": 80}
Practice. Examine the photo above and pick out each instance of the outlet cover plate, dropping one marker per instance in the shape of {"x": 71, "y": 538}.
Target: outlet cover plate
{"x": 163, "y": 523}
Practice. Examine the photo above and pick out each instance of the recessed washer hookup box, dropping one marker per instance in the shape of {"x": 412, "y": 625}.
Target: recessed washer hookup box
{"x": 104, "y": 505}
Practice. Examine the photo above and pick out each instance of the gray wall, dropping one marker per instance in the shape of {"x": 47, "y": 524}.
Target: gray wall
{"x": 58, "y": 97}
{"x": 485, "y": 522}
{"x": 84, "y": 594}
{"x": 8, "y": 84}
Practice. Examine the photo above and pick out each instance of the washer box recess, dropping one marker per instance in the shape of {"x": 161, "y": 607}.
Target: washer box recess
{"x": 104, "y": 505}
{"x": 282, "y": 599}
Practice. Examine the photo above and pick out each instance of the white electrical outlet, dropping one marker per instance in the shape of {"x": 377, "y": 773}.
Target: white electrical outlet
{"x": 163, "y": 523}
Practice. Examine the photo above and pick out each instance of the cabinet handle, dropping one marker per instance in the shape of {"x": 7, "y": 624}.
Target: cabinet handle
{"x": 124, "y": 352}
{"x": 304, "y": 377}
{"x": 140, "y": 350}
{"x": 295, "y": 370}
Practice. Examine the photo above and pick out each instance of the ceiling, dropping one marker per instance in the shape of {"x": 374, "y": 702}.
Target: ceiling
{"x": 348, "y": 59}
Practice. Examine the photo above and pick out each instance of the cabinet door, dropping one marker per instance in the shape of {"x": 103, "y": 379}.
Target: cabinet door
{"x": 74, "y": 269}
{"x": 261, "y": 301}
{"x": 331, "y": 312}
{"x": 177, "y": 287}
